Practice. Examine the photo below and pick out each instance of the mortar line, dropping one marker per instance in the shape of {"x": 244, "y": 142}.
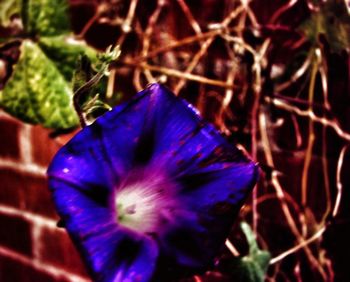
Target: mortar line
{"x": 24, "y": 140}
{"x": 29, "y": 216}
{"x": 49, "y": 269}
{"x": 30, "y": 168}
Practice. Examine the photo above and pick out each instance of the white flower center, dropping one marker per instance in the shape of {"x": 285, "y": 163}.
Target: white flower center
{"x": 143, "y": 199}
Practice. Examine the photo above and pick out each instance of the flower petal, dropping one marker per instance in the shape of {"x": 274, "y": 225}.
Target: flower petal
{"x": 174, "y": 123}
{"x": 79, "y": 157}
{"x": 121, "y": 130}
{"x": 182, "y": 139}
{"x": 111, "y": 252}
{"x": 214, "y": 176}
{"x": 210, "y": 202}
{"x": 216, "y": 194}
{"x": 107, "y": 147}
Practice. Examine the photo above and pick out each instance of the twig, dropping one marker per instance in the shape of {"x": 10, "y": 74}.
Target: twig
{"x": 204, "y": 47}
{"x": 177, "y": 73}
{"x": 323, "y": 74}
{"x": 179, "y": 43}
{"x": 100, "y": 10}
{"x": 194, "y": 24}
{"x": 326, "y": 176}
{"x": 301, "y": 245}
{"x": 298, "y": 74}
{"x": 282, "y": 10}
{"x": 280, "y": 194}
{"x": 192, "y": 64}
{"x": 232, "y": 248}
{"x": 126, "y": 26}
{"x": 339, "y": 184}
{"x": 308, "y": 152}
{"x": 147, "y": 37}
{"x": 279, "y": 103}
{"x": 227, "y": 98}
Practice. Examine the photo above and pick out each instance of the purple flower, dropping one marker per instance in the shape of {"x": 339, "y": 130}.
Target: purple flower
{"x": 149, "y": 190}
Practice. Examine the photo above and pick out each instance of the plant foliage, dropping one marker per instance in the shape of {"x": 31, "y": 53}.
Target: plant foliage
{"x": 39, "y": 88}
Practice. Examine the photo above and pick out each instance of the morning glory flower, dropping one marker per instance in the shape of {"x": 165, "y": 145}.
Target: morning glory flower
{"x": 149, "y": 191}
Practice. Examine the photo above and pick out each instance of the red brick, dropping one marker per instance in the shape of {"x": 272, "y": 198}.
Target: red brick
{"x": 43, "y": 146}
{"x": 15, "y": 234}
{"x": 57, "y": 249}
{"x": 9, "y": 130}
{"x": 26, "y": 192}
{"x": 14, "y": 271}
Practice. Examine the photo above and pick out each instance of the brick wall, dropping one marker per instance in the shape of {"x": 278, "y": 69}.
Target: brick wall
{"x": 32, "y": 247}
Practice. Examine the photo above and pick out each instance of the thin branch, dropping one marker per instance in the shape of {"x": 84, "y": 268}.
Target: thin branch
{"x": 203, "y": 49}
{"x": 333, "y": 123}
{"x": 194, "y": 24}
{"x": 280, "y": 194}
{"x": 99, "y": 11}
{"x": 311, "y": 140}
{"x": 298, "y": 74}
{"x": 339, "y": 183}
{"x": 126, "y": 26}
{"x": 179, "y": 43}
{"x": 232, "y": 248}
{"x": 180, "y": 74}
{"x": 301, "y": 245}
{"x": 282, "y": 10}
{"x": 147, "y": 37}
{"x": 188, "y": 72}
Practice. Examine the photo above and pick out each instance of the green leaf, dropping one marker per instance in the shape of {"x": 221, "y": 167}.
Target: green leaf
{"x": 262, "y": 258}
{"x": 65, "y": 52}
{"x": 37, "y": 91}
{"x": 45, "y": 17}
{"x": 332, "y": 21}
{"x": 252, "y": 267}
{"x": 8, "y": 8}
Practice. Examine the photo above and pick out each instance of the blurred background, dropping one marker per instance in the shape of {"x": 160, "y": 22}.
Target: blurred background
{"x": 273, "y": 76}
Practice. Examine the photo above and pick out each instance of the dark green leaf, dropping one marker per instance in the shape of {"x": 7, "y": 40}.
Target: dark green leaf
{"x": 8, "y": 8}
{"x": 82, "y": 75}
{"x": 37, "y": 92}
{"x": 88, "y": 69}
{"x": 332, "y": 21}
{"x": 252, "y": 267}
{"x": 45, "y": 17}
{"x": 83, "y": 72}
{"x": 88, "y": 83}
